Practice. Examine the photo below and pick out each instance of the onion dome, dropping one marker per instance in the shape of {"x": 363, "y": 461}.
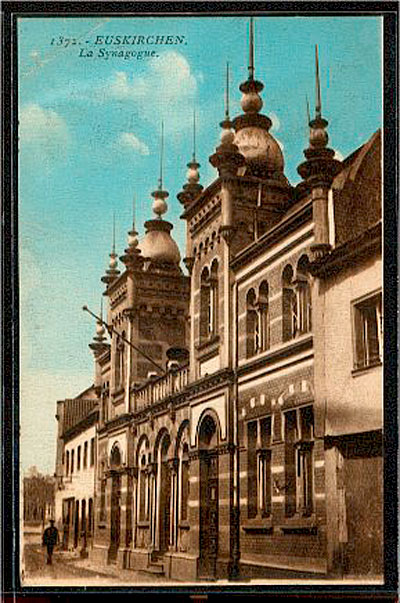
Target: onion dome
{"x": 132, "y": 255}
{"x": 193, "y": 187}
{"x": 319, "y": 164}
{"x": 157, "y": 247}
{"x": 262, "y": 152}
{"x": 157, "y": 244}
{"x": 227, "y": 158}
{"x": 112, "y": 273}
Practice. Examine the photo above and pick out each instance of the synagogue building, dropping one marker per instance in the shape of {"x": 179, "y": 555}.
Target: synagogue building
{"x": 234, "y": 426}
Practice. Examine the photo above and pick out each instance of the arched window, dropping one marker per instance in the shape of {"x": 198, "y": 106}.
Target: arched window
{"x": 252, "y": 326}
{"x": 184, "y": 482}
{"x": 263, "y": 316}
{"x": 120, "y": 361}
{"x": 289, "y": 305}
{"x": 204, "y": 303}
{"x": 143, "y": 482}
{"x": 213, "y": 308}
{"x": 115, "y": 457}
{"x": 303, "y": 290}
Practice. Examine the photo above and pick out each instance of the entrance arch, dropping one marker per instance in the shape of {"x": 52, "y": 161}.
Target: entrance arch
{"x": 208, "y": 453}
{"x": 164, "y": 493}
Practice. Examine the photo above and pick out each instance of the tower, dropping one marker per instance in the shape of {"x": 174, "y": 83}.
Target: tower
{"x": 319, "y": 170}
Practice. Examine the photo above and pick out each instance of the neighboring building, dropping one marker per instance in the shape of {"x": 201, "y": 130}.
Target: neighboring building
{"x": 214, "y": 459}
{"x": 76, "y": 469}
{"x": 348, "y": 364}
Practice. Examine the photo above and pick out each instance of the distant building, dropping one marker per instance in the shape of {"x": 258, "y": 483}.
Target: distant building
{"x": 239, "y": 407}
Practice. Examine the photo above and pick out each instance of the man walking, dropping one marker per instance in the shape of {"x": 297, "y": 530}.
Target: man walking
{"x": 50, "y": 539}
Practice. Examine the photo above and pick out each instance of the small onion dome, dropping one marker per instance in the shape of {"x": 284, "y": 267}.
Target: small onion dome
{"x": 132, "y": 252}
{"x": 157, "y": 244}
{"x": 193, "y": 187}
{"x": 160, "y": 206}
{"x": 227, "y": 158}
{"x": 318, "y": 135}
{"x": 100, "y": 330}
{"x": 112, "y": 273}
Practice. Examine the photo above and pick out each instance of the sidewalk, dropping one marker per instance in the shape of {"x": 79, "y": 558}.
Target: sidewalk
{"x": 125, "y": 576}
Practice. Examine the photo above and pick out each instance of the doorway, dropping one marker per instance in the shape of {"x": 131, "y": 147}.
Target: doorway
{"x": 209, "y": 521}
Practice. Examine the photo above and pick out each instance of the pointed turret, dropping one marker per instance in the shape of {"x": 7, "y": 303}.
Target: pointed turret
{"x": 227, "y": 158}
{"x": 261, "y": 151}
{"x": 112, "y": 273}
{"x": 319, "y": 169}
{"x": 193, "y": 187}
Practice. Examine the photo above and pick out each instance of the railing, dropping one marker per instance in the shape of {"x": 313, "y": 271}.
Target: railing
{"x": 159, "y": 388}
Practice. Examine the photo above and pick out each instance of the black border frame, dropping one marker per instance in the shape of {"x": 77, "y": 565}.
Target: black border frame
{"x": 9, "y": 413}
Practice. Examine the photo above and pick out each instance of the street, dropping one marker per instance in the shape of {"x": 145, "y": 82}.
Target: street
{"x": 69, "y": 570}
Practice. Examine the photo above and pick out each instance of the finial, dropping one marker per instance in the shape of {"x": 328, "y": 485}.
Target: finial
{"x": 160, "y": 180}
{"x": 317, "y": 86}
{"x": 251, "y": 50}
{"x": 112, "y": 272}
{"x": 159, "y": 204}
{"x": 227, "y": 92}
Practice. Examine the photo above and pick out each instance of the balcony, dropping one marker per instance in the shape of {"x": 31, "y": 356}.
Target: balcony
{"x": 160, "y": 388}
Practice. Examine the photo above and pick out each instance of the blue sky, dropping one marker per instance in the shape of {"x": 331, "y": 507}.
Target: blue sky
{"x": 89, "y": 144}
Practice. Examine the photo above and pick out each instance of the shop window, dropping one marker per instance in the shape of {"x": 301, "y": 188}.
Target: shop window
{"x": 299, "y": 435}
{"x": 368, "y": 331}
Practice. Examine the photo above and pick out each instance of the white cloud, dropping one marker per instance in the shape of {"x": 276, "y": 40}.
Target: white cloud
{"x": 165, "y": 90}
{"x": 129, "y": 140}
{"x": 39, "y": 124}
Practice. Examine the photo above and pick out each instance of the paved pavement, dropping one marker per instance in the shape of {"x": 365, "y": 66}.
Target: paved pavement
{"x": 69, "y": 569}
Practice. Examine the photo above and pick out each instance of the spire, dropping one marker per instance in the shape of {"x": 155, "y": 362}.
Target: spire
{"x": 192, "y": 187}
{"x": 317, "y": 86}
{"x": 319, "y": 158}
{"x": 160, "y": 206}
{"x": 160, "y": 180}
{"x": 112, "y": 273}
{"x": 194, "y": 135}
{"x": 251, "y": 49}
{"x": 227, "y": 93}
{"x": 227, "y": 158}
{"x": 132, "y": 253}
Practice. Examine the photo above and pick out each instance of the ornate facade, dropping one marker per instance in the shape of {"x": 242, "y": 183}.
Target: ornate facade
{"x": 211, "y": 452}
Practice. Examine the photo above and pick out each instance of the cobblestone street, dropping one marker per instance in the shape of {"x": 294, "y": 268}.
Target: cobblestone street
{"x": 71, "y": 570}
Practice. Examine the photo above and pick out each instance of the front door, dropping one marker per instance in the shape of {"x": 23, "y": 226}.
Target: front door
{"x": 115, "y": 517}
{"x": 208, "y": 514}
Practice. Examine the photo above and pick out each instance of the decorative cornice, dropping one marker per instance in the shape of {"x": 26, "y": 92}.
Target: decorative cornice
{"x": 87, "y": 422}
{"x": 295, "y": 347}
